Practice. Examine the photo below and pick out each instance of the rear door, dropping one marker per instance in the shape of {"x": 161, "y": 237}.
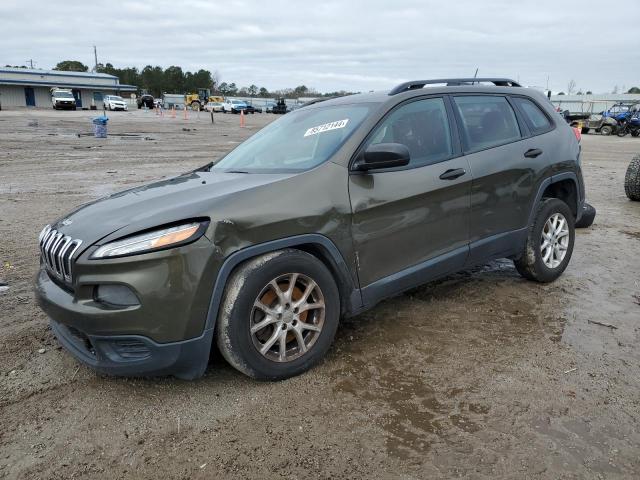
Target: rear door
{"x": 405, "y": 217}
{"x": 504, "y": 172}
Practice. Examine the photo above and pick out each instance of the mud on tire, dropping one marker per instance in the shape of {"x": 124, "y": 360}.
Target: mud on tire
{"x": 304, "y": 329}
{"x": 531, "y": 264}
{"x": 632, "y": 179}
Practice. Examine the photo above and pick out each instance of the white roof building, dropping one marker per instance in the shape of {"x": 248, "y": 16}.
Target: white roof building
{"x": 24, "y": 87}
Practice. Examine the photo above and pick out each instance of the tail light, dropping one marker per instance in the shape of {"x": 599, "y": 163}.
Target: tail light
{"x": 578, "y": 133}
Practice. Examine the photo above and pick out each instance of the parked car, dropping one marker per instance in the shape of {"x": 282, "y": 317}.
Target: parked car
{"x": 145, "y": 100}
{"x": 231, "y": 105}
{"x": 114, "y": 102}
{"x": 213, "y": 107}
{"x": 320, "y": 215}
{"x": 269, "y": 107}
{"x": 601, "y": 124}
{"x": 62, "y": 98}
{"x": 251, "y": 109}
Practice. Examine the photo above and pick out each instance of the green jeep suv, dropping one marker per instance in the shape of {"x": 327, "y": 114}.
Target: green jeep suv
{"x": 320, "y": 215}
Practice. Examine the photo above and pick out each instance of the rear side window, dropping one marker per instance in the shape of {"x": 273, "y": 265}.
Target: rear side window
{"x": 487, "y": 121}
{"x": 537, "y": 120}
{"x": 422, "y": 126}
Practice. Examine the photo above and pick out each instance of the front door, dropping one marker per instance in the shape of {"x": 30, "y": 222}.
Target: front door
{"x": 410, "y": 224}
{"x": 78, "y": 96}
{"x": 29, "y": 96}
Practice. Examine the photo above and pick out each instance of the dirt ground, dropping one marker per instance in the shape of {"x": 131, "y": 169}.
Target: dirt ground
{"x": 482, "y": 375}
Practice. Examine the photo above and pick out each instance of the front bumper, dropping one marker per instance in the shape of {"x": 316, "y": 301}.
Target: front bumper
{"x": 167, "y": 333}
{"x": 123, "y": 355}
{"x": 135, "y": 355}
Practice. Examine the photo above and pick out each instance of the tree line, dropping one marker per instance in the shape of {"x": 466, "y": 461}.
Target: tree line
{"x": 156, "y": 81}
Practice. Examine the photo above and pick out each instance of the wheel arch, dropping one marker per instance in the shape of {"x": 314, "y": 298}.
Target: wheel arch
{"x": 563, "y": 186}
{"x": 315, "y": 244}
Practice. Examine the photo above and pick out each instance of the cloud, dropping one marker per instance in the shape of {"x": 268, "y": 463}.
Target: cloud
{"x": 331, "y": 45}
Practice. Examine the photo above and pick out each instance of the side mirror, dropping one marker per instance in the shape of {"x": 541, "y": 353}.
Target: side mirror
{"x": 383, "y": 155}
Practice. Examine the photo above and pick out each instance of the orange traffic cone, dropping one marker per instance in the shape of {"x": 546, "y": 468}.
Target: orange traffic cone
{"x": 157, "y": 110}
{"x": 173, "y": 112}
{"x": 185, "y": 113}
{"x": 241, "y": 118}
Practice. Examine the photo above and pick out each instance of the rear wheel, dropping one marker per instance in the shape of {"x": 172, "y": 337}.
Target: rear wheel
{"x": 549, "y": 243}
{"x": 279, "y": 315}
{"x": 632, "y": 179}
{"x": 584, "y": 131}
{"x": 606, "y": 130}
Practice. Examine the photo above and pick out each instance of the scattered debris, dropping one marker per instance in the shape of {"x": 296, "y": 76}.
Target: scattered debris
{"x": 202, "y": 466}
{"x": 608, "y": 325}
{"x": 3, "y": 287}
{"x": 636, "y": 298}
{"x": 571, "y": 370}
{"x": 33, "y": 123}
{"x": 41, "y": 351}
{"x": 75, "y": 373}
{"x": 112, "y": 171}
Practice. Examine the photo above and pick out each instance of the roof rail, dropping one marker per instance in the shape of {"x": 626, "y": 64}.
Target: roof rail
{"x": 450, "y": 82}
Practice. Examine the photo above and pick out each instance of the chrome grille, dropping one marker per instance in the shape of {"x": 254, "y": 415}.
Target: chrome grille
{"x": 57, "y": 252}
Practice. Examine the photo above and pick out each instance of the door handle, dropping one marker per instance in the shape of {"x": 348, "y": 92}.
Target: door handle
{"x": 453, "y": 173}
{"x": 533, "y": 153}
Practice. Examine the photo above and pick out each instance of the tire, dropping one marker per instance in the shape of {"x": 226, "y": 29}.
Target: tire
{"x": 531, "y": 264}
{"x": 584, "y": 131}
{"x": 250, "y": 284}
{"x": 195, "y": 106}
{"x": 635, "y": 133}
{"x": 622, "y": 132}
{"x": 588, "y": 216}
{"x": 632, "y": 179}
{"x": 606, "y": 130}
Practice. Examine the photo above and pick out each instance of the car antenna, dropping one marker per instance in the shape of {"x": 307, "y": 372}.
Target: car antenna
{"x": 475, "y": 75}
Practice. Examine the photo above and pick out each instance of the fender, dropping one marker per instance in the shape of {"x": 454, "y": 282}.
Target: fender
{"x": 551, "y": 180}
{"x": 353, "y": 303}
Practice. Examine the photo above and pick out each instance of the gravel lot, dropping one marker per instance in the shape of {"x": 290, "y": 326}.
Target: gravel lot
{"x": 482, "y": 375}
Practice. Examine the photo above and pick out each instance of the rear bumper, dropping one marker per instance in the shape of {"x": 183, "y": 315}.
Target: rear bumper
{"x": 134, "y": 355}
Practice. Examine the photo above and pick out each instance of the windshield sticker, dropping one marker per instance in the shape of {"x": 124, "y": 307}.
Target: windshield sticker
{"x": 326, "y": 127}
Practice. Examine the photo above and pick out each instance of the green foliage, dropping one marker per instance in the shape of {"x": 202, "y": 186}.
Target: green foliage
{"x": 634, "y": 90}
{"x": 156, "y": 81}
{"x": 71, "y": 66}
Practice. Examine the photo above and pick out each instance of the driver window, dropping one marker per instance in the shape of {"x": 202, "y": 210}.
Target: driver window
{"x": 423, "y": 127}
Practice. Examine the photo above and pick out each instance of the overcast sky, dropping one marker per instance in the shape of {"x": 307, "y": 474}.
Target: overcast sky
{"x": 334, "y": 45}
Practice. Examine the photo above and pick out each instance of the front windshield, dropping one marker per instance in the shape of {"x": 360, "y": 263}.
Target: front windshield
{"x": 63, "y": 95}
{"x": 117, "y": 99}
{"x": 298, "y": 141}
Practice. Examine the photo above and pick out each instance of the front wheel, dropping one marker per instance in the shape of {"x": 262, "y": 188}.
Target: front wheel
{"x": 622, "y": 131}
{"x": 549, "y": 242}
{"x": 279, "y": 315}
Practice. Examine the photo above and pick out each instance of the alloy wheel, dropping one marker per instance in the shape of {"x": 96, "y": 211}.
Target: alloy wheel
{"x": 287, "y": 317}
{"x": 555, "y": 240}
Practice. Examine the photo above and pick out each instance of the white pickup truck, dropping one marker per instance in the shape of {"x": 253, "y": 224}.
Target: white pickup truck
{"x": 62, "y": 98}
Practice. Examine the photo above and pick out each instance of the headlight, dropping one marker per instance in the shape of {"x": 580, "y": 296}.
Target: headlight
{"x": 151, "y": 241}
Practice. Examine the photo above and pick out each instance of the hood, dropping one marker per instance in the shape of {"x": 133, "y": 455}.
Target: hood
{"x": 192, "y": 195}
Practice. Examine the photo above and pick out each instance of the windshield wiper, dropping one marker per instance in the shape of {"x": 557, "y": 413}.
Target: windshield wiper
{"x": 235, "y": 171}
